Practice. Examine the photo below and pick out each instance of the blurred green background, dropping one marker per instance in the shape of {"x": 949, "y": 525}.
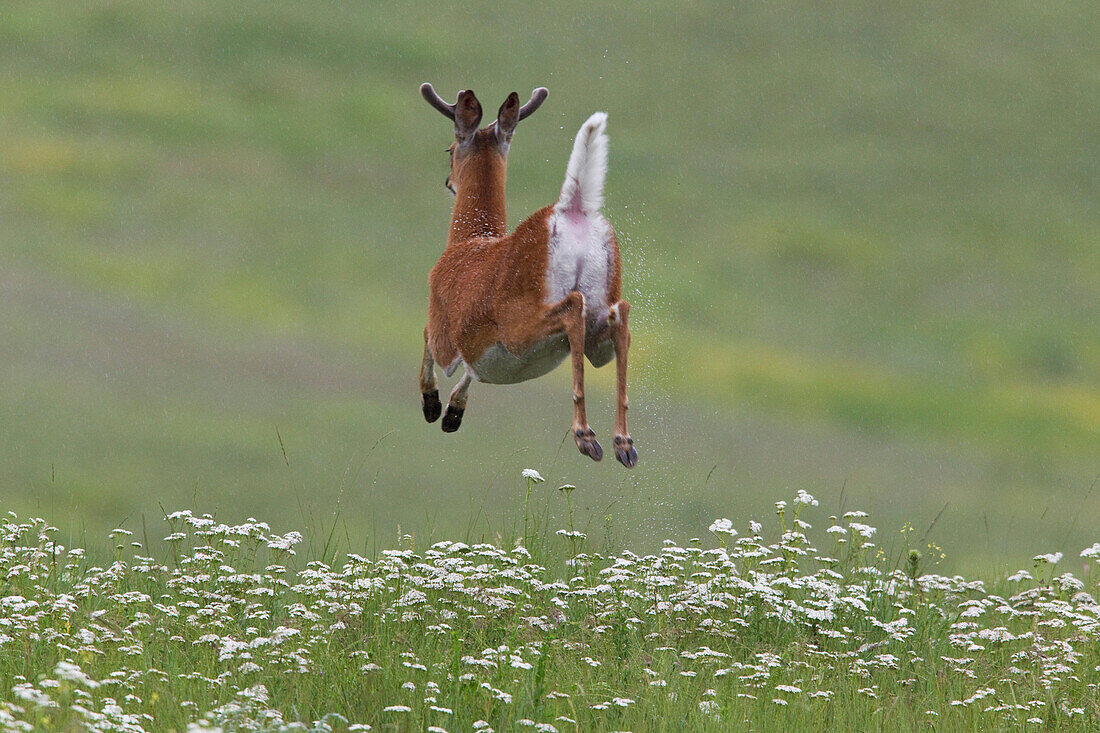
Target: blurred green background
{"x": 860, "y": 239}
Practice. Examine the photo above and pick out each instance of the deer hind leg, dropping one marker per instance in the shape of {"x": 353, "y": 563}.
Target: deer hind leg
{"x": 570, "y": 313}
{"x": 620, "y": 339}
{"x": 429, "y": 392}
{"x": 567, "y": 315}
{"x": 456, "y": 403}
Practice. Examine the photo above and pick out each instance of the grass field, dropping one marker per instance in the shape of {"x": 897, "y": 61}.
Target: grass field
{"x": 228, "y": 629}
{"x": 860, "y": 241}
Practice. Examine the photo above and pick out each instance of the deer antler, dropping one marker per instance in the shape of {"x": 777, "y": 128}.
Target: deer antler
{"x": 429, "y": 94}
{"x": 538, "y": 96}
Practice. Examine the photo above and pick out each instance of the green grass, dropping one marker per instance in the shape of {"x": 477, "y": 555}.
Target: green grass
{"x": 859, "y": 242}
{"x": 781, "y": 627}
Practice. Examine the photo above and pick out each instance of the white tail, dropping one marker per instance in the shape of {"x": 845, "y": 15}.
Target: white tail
{"x": 582, "y": 191}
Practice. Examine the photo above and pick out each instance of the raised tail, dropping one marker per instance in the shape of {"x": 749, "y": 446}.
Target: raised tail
{"x": 582, "y": 192}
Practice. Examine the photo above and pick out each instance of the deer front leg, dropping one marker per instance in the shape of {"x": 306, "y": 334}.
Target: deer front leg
{"x": 620, "y": 339}
{"x": 456, "y": 404}
{"x": 429, "y": 392}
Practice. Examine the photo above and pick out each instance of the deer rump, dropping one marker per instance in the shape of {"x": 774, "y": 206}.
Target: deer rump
{"x": 481, "y": 299}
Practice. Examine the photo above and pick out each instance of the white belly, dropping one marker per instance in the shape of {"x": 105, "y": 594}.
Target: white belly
{"x": 500, "y": 366}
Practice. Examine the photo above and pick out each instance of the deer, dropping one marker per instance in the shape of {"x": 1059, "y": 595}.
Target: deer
{"x": 510, "y": 307}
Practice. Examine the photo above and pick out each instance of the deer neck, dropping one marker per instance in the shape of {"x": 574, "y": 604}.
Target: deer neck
{"x": 479, "y": 201}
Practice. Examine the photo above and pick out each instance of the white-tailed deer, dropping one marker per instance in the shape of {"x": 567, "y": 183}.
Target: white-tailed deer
{"x": 511, "y": 307}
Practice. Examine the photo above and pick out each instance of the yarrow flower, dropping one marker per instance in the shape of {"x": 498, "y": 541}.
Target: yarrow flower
{"x": 285, "y": 542}
{"x": 805, "y": 498}
{"x": 72, "y": 672}
{"x": 1050, "y": 557}
{"x": 532, "y": 475}
{"x": 1093, "y": 551}
{"x": 723, "y": 526}
{"x": 862, "y": 529}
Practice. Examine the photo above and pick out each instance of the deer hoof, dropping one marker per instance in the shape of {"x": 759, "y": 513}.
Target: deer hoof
{"x": 452, "y": 419}
{"x": 432, "y": 407}
{"x": 625, "y": 452}
{"x": 587, "y": 443}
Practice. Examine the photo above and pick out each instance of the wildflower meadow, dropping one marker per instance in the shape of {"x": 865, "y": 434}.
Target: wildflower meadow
{"x": 797, "y": 621}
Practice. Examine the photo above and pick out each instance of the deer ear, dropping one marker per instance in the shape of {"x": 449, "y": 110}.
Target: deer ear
{"x": 467, "y": 115}
{"x": 508, "y": 118}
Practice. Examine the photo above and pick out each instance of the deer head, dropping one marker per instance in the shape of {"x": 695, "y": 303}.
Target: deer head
{"x": 478, "y": 156}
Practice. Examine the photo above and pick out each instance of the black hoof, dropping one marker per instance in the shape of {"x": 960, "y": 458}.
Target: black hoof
{"x": 432, "y": 407}
{"x": 588, "y": 445}
{"x": 452, "y": 419}
{"x": 625, "y": 452}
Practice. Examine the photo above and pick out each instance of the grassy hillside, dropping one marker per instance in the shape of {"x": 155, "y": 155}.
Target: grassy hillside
{"x": 860, "y": 240}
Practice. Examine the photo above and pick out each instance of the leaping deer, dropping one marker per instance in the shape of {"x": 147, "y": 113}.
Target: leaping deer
{"x": 511, "y": 307}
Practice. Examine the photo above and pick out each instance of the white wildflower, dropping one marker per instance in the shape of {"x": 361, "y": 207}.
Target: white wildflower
{"x": 708, "y": 707}
{"x": 29, "y": 693}
{"x": 257, "y": 693}
{"x": 862, "y": 529}
{"x": 285, "y": 542}
{"x": 532, "y": 475}
{"x": 723, "y": 526}
{"x": 68, "y": 671}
